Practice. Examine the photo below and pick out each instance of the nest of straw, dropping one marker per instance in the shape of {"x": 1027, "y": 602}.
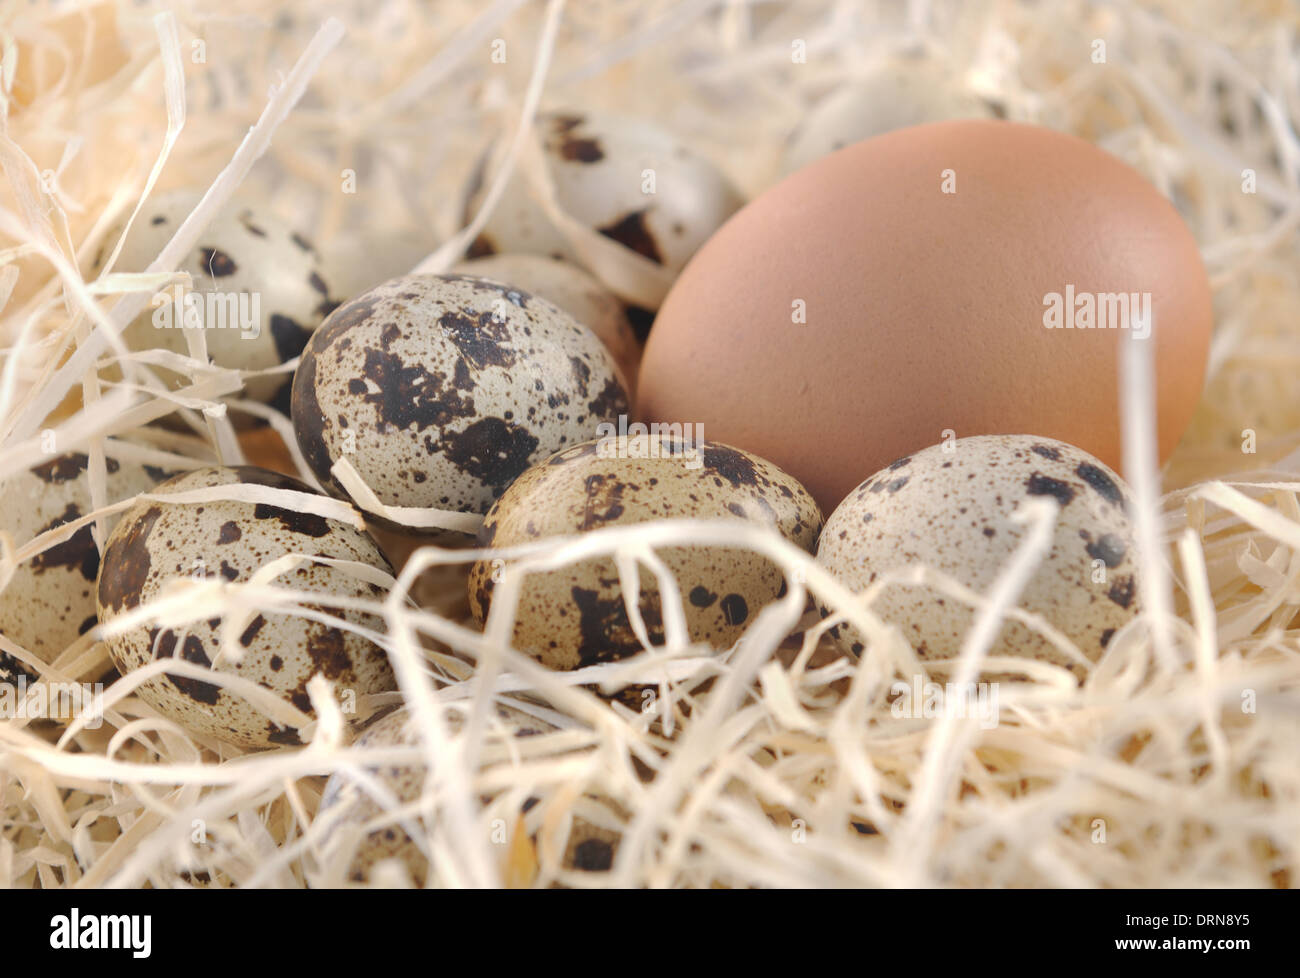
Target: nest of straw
{"x": 773, "y": 763}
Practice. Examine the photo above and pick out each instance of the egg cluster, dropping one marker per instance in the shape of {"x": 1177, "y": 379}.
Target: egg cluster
{"x": 865, "y": 340}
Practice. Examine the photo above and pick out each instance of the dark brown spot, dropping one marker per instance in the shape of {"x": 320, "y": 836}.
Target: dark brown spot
{"x": 701, "y": 596}
{"x": 1041, "y": 485}
{"x": 1121, "y": 591}
{"x": 229, "y": 532}
{"x": 735, "y": 610}
{"x": 491, "y": 450}
{"x": 610, "y": 402}
{"x": 606, "y": 633}
{"x": 1110, "y": 549}
{"x": 218, "y": 263}
{"x": 75, "y": 553}
{"x": 308, "y": 524}
{"x": 1047, "y": 451}
{"x": 735, "y": 467}
{"x": 1101, "y": 482}
{"x": 631, "y": 232}
{"x": 126, "y": 563}
{"x": 250, "y": 633}
{"x": 593, "y": 855}
{"x": 191, "y": 651}
{"x": 406, "y": 396}
{"x": 289, "y": 337}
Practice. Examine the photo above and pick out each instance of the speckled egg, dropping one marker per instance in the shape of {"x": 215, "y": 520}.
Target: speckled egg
{"x": 949, "y": 507}
{"x": 574, "y": 291}
{"x": 257, "y": 286}
{"x": 346, "y": 804}
{"x": 575, "y": 616}
{"x": 896, "y": 95}
{"x": 442, "y": 389}
{"x": 159, "y": 542}
{"x": 50, "y": 600}
{"x": 625, "y": 178}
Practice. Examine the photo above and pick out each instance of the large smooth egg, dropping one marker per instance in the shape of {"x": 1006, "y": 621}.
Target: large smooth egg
{"x": 898, "y": 289}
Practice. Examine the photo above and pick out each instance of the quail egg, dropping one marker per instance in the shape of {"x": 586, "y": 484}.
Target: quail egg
{"x": 346, "y": 805}
{"x": 257, "y": 290}
{"x": 50, "y": 600}
{"x": 625, "y": 178}
{"x": 441, "y": 389}
{"x": 159, "y": 542}
{"x": 898, "y": 94}
{"x": 575, "y": 616}
{"x": 949, "y": 507}
{"x": 573, "y": 290}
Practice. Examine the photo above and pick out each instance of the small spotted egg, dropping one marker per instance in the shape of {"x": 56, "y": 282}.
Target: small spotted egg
{"x": 575, "y": 616}
{"x": 156, "y": 543}
{"x": 574, "y": 291}
{"x": 949, "y": 507}
{"x": 257, "y": 287}
{"x": 442, "y": 389}
{"x": 50, "y": 600}
{"x": 347, "y": 806}
{"x": 625, "y": 178}
{"x": 896, "y": 95}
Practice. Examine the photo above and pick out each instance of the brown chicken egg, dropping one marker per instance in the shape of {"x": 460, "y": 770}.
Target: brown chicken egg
{"x": 971, "y": 276}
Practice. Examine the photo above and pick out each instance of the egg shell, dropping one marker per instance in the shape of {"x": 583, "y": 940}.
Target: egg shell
{"x": 346, "y": 803}
{"x": 599, "y": 163}
{"x": 576, "y": 616}
{"x": 855, "y": 311}
{"x": 951, "y": 510}
{"x": 355, "y": 261}
{"x": 50, "y": 600}
{"x": 895, "y": 95}
{"x": 573, "y": 290}
{"x": 159, "y": 542}
{"x": 442, "y": 389}
{"x": 246, "y": 255}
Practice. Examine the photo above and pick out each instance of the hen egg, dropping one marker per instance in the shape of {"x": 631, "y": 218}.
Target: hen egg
{"x": 949, "y": 508}
{"x": 441, "y": 389}
{"x": 945, "y": 277}
{"x": 576, "y": 616}
{"x": 156, "y": 543}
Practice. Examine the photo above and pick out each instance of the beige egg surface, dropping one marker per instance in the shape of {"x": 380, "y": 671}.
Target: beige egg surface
{"x": 50, "y": 600}
{"x": 950, "y": 507}
{"x": 442, "y": 389}
{"x": 973, "y": 275}
{"x": 348, "y": 805}
{"x": 899, "y": 93}
{"x": 257, "y": 286}
{"x": 576, "y": 615}
{"x": 227, "y": 540}
{"x": 573, "y": 290}
{"x": 626, "y": 178}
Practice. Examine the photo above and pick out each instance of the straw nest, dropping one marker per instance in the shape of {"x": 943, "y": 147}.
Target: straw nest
{"x": 1173, "y": 764}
